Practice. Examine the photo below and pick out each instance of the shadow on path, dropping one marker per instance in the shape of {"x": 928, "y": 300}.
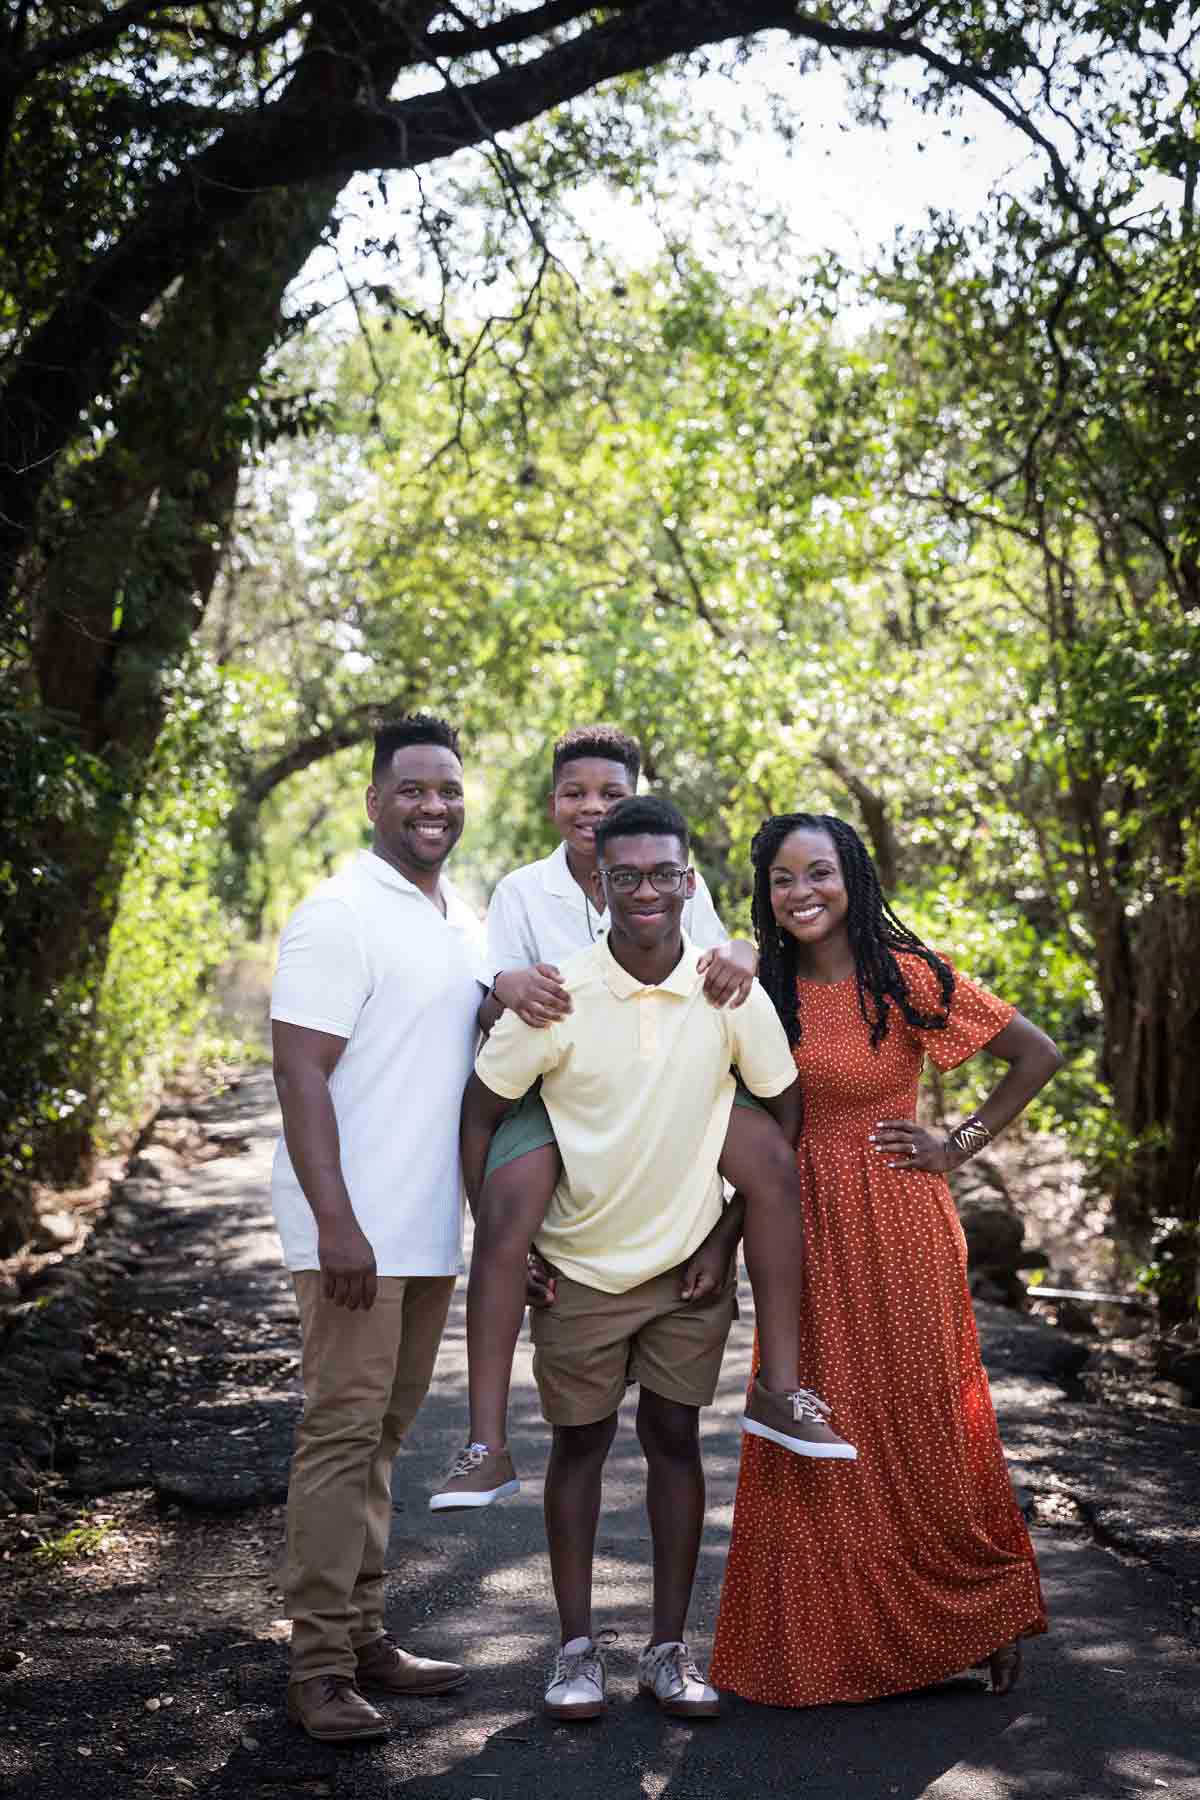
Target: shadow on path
{"x": 158, "y": 1666}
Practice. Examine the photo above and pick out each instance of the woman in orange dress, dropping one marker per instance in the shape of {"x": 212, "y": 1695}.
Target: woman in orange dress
{"x": 852, "y": 1580}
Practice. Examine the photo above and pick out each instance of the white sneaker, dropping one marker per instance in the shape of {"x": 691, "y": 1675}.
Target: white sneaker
{"x": 578, "y": 1680}
{"x": 667, "y": 1673}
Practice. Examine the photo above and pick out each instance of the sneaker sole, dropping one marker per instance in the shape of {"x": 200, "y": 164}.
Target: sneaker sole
{"x": 471, "y": 1502}
{"x": 582, "y": 1709}
{"x": 799, "y": 1446}
{"x": 682, "y": 1709}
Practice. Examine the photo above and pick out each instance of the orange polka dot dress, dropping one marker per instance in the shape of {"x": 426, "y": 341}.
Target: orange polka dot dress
{"x": 852, "y": 1580}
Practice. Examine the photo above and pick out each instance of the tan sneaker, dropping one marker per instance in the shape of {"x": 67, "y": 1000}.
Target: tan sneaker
{"x": 331, "y": 1709}
{"x": 478, "y": 1476}
{"x": 578, "y": 1684}
{"x": 797, "y": 1420}
{"x": 384, "y": 1665}
{"x": 667, "y": 1674}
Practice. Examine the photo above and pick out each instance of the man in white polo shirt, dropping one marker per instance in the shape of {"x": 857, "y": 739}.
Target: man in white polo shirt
{"x": 637, "y": 1081}
{"x": 373, "y": 1014}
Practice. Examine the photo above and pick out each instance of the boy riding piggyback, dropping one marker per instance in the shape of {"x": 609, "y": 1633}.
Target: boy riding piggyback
{"x": 540, "y": 915}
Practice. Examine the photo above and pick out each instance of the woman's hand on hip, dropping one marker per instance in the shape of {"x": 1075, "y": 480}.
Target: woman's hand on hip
{"x": 906, "y": 1145}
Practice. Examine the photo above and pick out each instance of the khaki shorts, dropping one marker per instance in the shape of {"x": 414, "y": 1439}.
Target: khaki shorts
{"x": 589, "y": 1346}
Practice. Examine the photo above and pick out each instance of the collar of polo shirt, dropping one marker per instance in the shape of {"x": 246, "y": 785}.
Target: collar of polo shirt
{"x": 453, "y": 908}
{"x": 623, "y": 986}
{"x": 382, "y": 871}
{"x": 557, "y": 878}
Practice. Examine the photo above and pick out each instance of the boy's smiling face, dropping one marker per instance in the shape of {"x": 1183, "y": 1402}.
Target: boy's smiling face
{"x": 584, "y": 791}
{"x": 644, "y": 918}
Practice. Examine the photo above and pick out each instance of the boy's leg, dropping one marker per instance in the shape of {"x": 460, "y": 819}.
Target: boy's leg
{"x": 515, "y": 1196}
{"x": 670, "y": 1438}
{"x": 580, "y": 1363}
{"x": 761, "y": 1164}
{"x": 677, "y": 1360}
{"x": 572, "y": 1508}
{"x": 512, "y": 1207}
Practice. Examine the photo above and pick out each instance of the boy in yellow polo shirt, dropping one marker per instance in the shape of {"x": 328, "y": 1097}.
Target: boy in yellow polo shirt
{"x": 636, "y": 1079}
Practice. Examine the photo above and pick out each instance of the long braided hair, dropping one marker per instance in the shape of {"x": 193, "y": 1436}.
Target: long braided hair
{"x": 874, "y": 930}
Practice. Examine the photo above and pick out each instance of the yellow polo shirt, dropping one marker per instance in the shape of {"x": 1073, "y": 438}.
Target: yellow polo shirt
{"x": 638, "y": 1086}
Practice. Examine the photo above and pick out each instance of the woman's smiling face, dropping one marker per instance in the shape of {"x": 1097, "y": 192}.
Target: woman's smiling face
{"x": 808, "y": 892}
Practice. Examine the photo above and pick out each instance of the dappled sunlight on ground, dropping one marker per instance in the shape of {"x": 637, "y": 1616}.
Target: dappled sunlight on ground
{"x": 147, "y": 1654}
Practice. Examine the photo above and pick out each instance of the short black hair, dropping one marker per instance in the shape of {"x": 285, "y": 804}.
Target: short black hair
{"x": 415, "y": 728}
{"x": 642, "y": 815}
{"x": 598, "y": 740}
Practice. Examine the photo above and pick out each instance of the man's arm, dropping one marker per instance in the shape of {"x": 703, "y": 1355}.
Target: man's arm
{"x": 304, "y": 1060}
{"x": 759, "y": 1047}
{"x": 703, "y": 1274}
{"x": 728, "y": 967}
{"x": 482, "y": 1111}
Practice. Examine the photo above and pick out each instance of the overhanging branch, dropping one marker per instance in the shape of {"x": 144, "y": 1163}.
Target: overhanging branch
{"x": 318, "y": 131}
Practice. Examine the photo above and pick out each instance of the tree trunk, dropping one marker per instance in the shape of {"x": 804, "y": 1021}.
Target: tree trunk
{"x": 1147, "y": 968}
{"x": 123, "y": 587}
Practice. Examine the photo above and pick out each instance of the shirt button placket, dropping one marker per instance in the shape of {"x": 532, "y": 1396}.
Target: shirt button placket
{"x": 647, "y": 1025}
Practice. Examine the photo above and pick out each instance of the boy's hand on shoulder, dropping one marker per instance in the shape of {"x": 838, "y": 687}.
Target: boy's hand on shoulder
{"x": 728, "y": 971}
{"x": 536, "y": 995}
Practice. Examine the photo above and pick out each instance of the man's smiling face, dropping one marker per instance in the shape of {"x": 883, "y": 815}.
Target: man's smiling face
{"x": 417, "y": 808}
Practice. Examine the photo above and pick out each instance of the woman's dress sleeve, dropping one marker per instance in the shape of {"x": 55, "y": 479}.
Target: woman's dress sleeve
{"x": 976, "y": 1016}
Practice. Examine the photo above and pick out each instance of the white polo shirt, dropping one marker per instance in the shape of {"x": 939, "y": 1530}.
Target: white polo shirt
{"x": 369, "y": 958}
{"x": 540, "y": 913}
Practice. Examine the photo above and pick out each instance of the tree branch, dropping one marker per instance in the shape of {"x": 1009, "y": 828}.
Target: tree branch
{"x": 519, "y": 28}
{"x": 323, "y": 128}
{"x": 353, "y": 727}
{"x": 875, "y": 816}
{"x": 17, "y": 72}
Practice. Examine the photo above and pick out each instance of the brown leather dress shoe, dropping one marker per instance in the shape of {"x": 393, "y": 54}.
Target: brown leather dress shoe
{"x": 331, "y": 1709}
{"x": 384, "y": 1665}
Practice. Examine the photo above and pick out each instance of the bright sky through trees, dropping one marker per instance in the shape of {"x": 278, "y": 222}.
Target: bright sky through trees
{"x": 841, "y": 186}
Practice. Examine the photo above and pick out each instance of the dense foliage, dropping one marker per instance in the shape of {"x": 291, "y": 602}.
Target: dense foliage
{"x": 756, "y": 544}
{"x": 942, "y": 575}
{"x": 128, "y": 1014}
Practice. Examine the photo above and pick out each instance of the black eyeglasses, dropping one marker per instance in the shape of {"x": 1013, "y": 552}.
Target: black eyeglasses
{"x": 628, "y": 881}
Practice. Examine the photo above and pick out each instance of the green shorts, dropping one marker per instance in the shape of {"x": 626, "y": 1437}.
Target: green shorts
{"x": 526, "y": 1126}
{"x": 743, "y": 1097}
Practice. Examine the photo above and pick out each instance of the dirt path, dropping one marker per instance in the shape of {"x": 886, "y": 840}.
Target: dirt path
{"x": 146, "y": 1654}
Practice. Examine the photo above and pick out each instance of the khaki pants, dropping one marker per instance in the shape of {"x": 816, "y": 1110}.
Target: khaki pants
{"x": 365, "y": 1375}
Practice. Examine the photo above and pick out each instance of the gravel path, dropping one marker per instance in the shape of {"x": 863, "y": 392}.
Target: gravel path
{"x": 148, "y": 1403}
